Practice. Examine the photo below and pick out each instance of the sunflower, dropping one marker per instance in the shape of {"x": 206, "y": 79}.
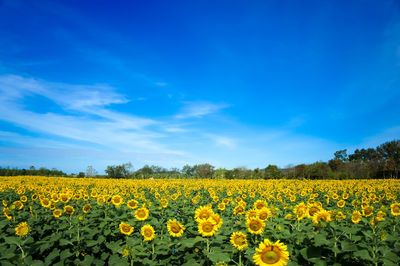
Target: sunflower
{"x": 24, "y": 198}
{"x": 395, "y": 209}
{"x": 322, "y": 215}
{"x": 22, "y": 229}
{"x": 255, "y": 226}
{"x": 86, "y": 208}
{"x": 175, "y": 228}
{"x": 4, "y": 203}
{"x": 356, "y": 217}
{"x": 264, "y": 214}
{"x": 125, "y": 252}
{"x": 132, "y": 204}
{"x": 239, "y": 210}
{"x": 300, "y": 210}
{"x": 340, "y": 215}
{"x": 203, "y": 213}
{"x": 18, "y": 204}
{"x": 64, "y": 198}
{"x": 313, "y": 209}
{"x": 239, "y": 240}
{"x": 117, "y": 200}
{"x": 69, "y": 210}
{"x": 251, "y": 214}
{"x": 271, "y": 254}
{"x": 45, "y": 202}
{"x": 148, "y": 232}
{"x": 125, "y": 228}
{"x": 164, "y": 202}
{"x": 207, "y": 227}
{"x": 259, "y": 204}
{"x": 341, "y": 203}
{"x": 142, "y": 214}
{"x": 57, "y": 213}
{"x": 217, "y": 219}
{"x": 221, "y": 206}
{"x": 367, "y": 211}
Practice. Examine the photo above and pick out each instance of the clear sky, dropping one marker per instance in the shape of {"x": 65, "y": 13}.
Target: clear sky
{"x": 230, "y": 83}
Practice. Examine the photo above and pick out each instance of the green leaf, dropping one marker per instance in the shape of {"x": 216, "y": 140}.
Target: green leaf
{"x": 320, "y": 240}
{"x": 65, "y": 254}
{"x": 217, "y": 256}
{"x": 12, "y": 240}
{"x": 190, "y": 242}
{"x": 363, "y": 254}
{"x": 54, "y": 254}
{"x": 348, "y": 246}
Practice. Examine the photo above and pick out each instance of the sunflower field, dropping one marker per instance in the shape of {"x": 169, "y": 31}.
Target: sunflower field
{"x": 67, "y": 221}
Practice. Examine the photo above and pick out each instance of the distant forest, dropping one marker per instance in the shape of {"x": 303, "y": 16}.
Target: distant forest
{"x": 380, "y": 162}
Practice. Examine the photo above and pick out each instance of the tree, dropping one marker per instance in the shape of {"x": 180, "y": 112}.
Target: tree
{"x": 204, "y": 171}
{"x": 119, "y": 171}
{"x": 90, "y": 171}
{"x": 81, "y": 174}
{"x": 188, "y": 170}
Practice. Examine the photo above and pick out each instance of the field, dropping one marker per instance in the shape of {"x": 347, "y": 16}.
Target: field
{"x": 67, "y": 221}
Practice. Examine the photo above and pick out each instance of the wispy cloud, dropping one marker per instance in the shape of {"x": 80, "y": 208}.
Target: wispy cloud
{"x": 199, "y": 109}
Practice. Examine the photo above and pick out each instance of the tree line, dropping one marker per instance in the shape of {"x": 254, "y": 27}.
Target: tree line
{"x": 380, "y": 162}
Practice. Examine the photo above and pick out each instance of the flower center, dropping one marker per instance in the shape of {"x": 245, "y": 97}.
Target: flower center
{"x": 175, "y": 228}
{"x": 270, "y": 257}
{"x": 207, "y": 227}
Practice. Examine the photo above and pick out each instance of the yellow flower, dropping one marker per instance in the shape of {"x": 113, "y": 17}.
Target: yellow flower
{"x": 24, "y": 198}
{"x": 18, "y": 204}
{"x": 142, "y": 214}
{"x": 117, "y": 200}
{"x": 395, "y": 209}
{"x": 259, "y": 204}
{"x": 125, "y": 252}
{"x": 271, "y": 254}
{"x": 86, "y": 208}
{"x": 264, "y": 214}
{"x": 148, "y": 232}
{"x": 45, "y": 202}
{"x": 203, "y": 213}
{"x": 207, "y": 227}
{"x": 322, "y": 215}
{"x": 340, "y": 215}
{"x": 356, "y": 217}
{"x": 69, "y": 210}
{"x": 175, "y": 228}
{"x": 367, "y": 210}
{"x": 164, "y": 202}
{"x": 57, "y": 213}
{"x": 341, "y": 203}
{"x": 22, "y": 229}
{"x": 125, "y": 228}
{"x": 300, "y": 210}
{"x": 132, "y": 204}
{"x": 239, "y": 210}
{"x": 221, "y": 206}
{"x": 255, "y": 225}
{"x": 239, "y": 240}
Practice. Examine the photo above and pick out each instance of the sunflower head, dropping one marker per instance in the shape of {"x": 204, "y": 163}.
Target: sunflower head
{"x": 175, "y": 228}
{"x": 271, "y": 254}
{"x": 142, "y": 214}
{"x": 69, "y": 209}
{"x": 322, "y": 215}
{"x": 86, "y": 208}
{"x": 239, "y": 240}
{"x": 395, "y": 209}
{"x": 22, "y": 229}
{"x": 125, "y": 228}
{"x": 57, "y": 213}
{"x": 207, "y": 227}
{"x": 356, "y": 217}
{"x": 148, "y": 232}
{"x": 132, "y": 204}
{"x": 255, "y": 226}
{"x": 203, "y": 213}
{"x": 117, "y": 200}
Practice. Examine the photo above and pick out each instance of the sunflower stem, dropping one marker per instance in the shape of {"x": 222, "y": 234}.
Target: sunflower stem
{"x": 240, "y": 258}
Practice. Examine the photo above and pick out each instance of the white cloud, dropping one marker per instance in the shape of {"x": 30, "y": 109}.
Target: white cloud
{"x": 199, "y": 109}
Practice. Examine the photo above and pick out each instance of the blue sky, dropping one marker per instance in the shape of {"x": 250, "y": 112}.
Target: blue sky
{"x": 231, "y": 83}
